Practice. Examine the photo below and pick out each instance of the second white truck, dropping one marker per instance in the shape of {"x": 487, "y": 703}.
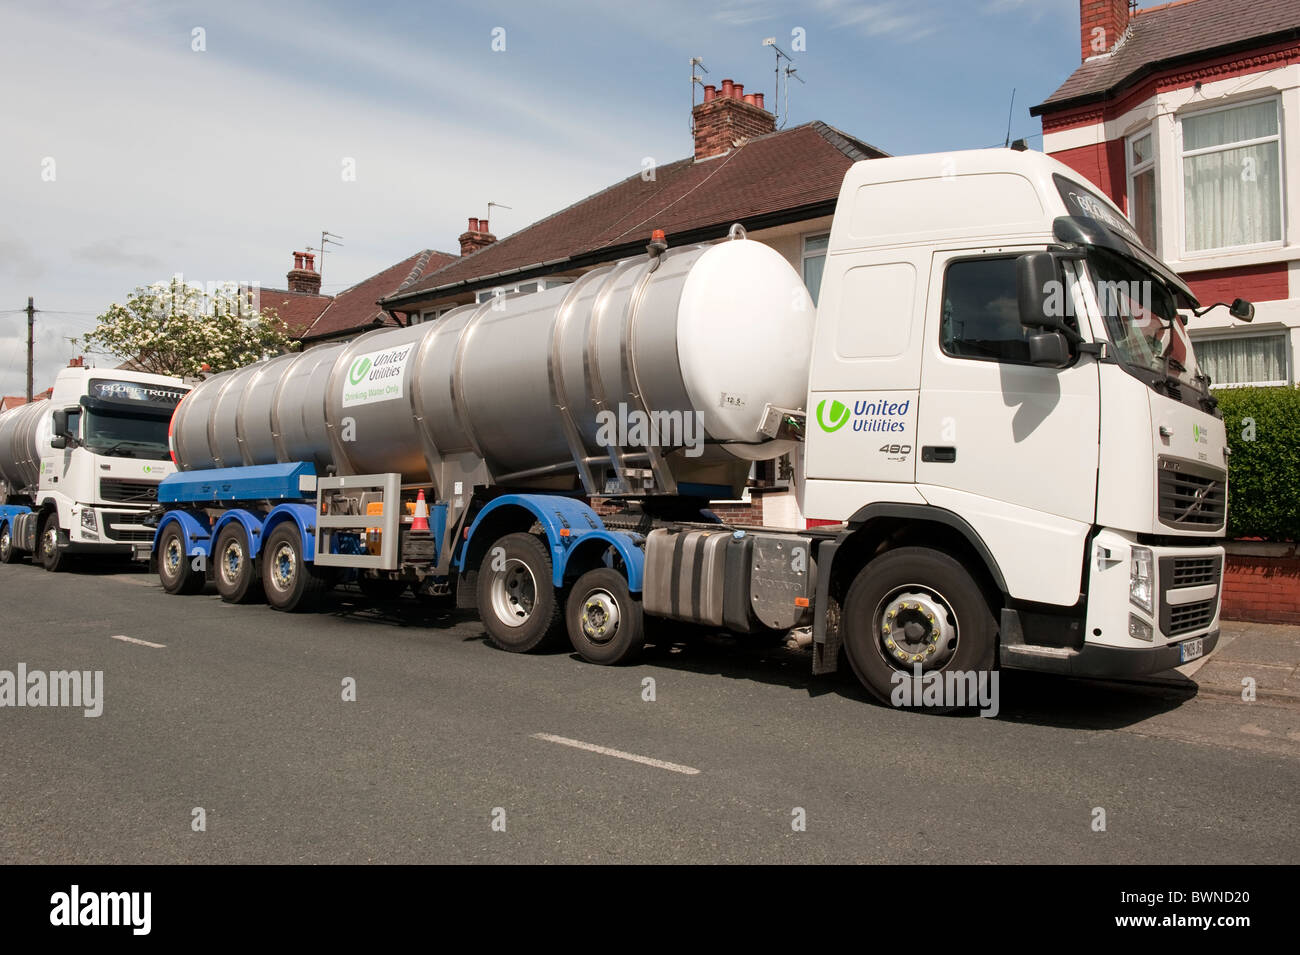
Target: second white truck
{"x": 79, "y": 471}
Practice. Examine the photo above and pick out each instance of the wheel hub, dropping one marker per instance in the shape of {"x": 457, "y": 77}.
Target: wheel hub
{"x": 916, "y": 628}
{"x": 514, "y": 593}
{"x": 172, "y": 556}
{"x": 232, "y": 561}
{"x": 600, "y": 617}
{"x": 282, "y": 567}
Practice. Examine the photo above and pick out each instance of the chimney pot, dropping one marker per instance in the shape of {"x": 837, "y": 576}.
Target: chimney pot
{"x": 303, "y": 277}
{"x": 723, "y": 122}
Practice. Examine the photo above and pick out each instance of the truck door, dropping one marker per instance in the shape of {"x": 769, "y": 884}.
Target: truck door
{"x": 992, "y": 426}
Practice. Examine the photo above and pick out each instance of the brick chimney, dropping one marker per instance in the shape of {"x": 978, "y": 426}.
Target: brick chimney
{"x": 476, "y": 237}
{"x": 303, "y": 277}
{"x": 78, "y": 362}
{"x": 1102, "y": 23}
{"x": 726, "y": 116}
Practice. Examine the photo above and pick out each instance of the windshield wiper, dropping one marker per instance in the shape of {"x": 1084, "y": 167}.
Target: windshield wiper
{"x": 120, "y": 446}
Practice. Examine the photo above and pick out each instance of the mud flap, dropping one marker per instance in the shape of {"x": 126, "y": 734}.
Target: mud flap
{"x": 827, "y": 636}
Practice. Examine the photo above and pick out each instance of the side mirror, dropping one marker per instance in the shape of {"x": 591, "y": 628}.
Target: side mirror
{"x": 1040, "y": 290}
{"x": 60, "y": 423}
{"x": 1049, "y": 350}
{"x": 1242, "y": 310}
{"x": 59, "y": 442}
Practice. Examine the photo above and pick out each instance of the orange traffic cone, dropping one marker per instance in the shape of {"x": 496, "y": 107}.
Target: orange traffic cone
{"x": 421, "y": 522}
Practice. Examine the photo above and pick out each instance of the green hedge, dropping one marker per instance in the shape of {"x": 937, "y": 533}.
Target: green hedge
{"x": 1264, "y": 470}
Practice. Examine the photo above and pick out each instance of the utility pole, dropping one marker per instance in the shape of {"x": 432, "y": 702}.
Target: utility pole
{"x": 31, "y": 331}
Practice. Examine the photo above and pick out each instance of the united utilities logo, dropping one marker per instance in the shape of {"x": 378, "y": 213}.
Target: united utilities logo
{"x": 357, "y": 373}
{"x": 832, "y": 418}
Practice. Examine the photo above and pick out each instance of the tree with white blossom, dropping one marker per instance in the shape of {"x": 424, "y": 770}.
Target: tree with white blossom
{"x": 178, "y": 328}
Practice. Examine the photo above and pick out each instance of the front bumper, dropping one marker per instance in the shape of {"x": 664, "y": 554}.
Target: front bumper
{"x": 1093, "y": 659}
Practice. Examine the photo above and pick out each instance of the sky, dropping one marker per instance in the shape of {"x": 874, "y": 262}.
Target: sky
{"x": 213, "y": 139}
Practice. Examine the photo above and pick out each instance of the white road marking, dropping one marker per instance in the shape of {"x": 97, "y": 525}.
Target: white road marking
{"x": 606, "y": 751}
{"x": 143, "y": 643}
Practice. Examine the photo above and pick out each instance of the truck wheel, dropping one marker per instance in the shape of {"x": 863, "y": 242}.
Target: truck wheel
{"x": 175, "y": 572}
{"x": 234, "y": 570}
{"x": 9, "y": 554}
{"x": 520, "y": 609}
{"x": 381, "y": 588}
{"x": 606, "y": 625}
{"x": 47, "y": 546}
{"x": 916, "y": 607}
{"x": 290, "y": 582}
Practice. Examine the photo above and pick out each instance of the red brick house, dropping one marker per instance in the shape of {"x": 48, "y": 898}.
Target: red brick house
{"x": 780, "y": 185}
{"x": 1188, "y": 116}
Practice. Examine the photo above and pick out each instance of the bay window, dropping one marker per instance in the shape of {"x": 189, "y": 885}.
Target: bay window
{"x": 1142, "y": 188}
{"x": 1244, "y": 359}
{"x": 1232, "y": 176}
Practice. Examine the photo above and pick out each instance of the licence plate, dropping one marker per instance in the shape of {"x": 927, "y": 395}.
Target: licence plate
{"x": 1191, "y": 650}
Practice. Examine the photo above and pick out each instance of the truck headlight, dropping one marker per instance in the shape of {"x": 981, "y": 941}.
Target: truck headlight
{"x": 1141, "y": 578}
{"x": 88, "y": 519}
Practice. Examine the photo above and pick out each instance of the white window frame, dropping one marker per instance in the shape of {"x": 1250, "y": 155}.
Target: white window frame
{"x": 1134, "y": 171}
{"x": 1281, "y": 333}
{"x": 1189, "y": 254}
{"x": 805, "y": 255}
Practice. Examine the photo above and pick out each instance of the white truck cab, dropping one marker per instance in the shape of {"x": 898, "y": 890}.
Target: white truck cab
{"x": 999, "y": 361}
{"x": 85, "y": 465}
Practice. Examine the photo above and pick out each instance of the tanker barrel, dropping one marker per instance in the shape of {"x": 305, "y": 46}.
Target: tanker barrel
{"x": 637, "y": 368}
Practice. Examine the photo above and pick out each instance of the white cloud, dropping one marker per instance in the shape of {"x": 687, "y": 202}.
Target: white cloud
{"x": 168, "y": 160}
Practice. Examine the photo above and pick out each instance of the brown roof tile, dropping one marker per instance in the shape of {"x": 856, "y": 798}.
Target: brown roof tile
{"x": 296, "y": 309}
{"x": 780, "y": 171}
{"x": 1162, "y": 36}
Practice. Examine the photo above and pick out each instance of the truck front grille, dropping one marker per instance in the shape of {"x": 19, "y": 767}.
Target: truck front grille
{"x": 126, "y": 533}
{"x": 1195, "y": 571}
{"x": 1191, "y": 495}
{"x": 127, "y": 492}
{"x": 1189, "y": 617}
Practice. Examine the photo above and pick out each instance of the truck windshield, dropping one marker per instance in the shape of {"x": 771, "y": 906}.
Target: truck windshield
{"x": 1143, "y": 322}
{"x": 124, "y": 435}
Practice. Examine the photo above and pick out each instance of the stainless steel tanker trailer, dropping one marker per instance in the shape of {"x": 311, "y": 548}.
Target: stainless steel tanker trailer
{"x": 639, "y": 381}
{"x": 1018, "y": 484}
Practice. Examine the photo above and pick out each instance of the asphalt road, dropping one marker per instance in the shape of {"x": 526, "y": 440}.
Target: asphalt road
{"x": 241, "y": 712}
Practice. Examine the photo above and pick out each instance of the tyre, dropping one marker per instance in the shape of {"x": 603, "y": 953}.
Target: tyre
{"x": 290, "y": 583}
{"x": 520, "y": 609}
{"x": 605, "y": 621}
{"x": 9, "y": 554}
{"x": 175, "y": 570}
{"x": 916, "y": 607}
{"x": 381, "y": 588}
{"x": 47, "y": 546}
{"x": 234, "y": 570}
